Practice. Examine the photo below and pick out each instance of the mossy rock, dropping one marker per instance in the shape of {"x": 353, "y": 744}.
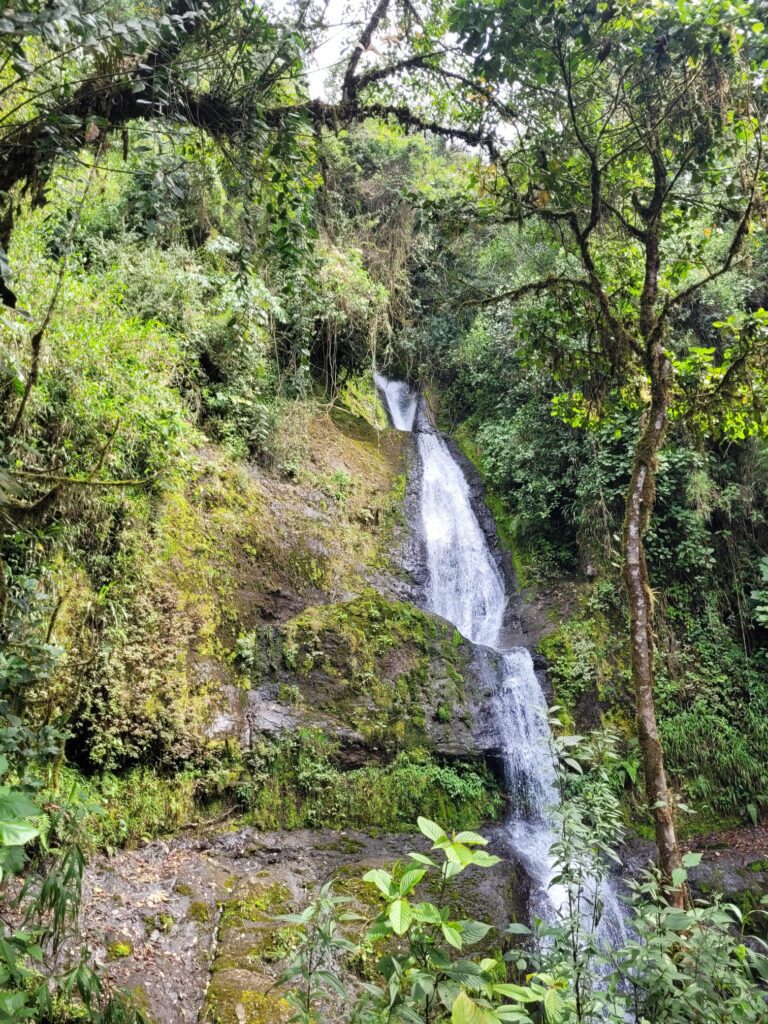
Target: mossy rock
{"x": 222, "y": 550}
{"x": 252, "y": 946}
{"x": 248, "y": 933}
{"x": 256, "y": 902}
{"x": 119, "y": 949}
{"x": 381, "y": 671}
{"x": 232, "y": 1000}
{"x": 199, "y": 912}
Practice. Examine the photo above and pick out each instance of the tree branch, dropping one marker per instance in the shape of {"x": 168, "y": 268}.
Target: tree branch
{"x": 350, "y": 84}
{"x": 533, "y": 288}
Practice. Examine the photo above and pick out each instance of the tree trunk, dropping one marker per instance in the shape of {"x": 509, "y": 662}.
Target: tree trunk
{"x": 640, "y": 497}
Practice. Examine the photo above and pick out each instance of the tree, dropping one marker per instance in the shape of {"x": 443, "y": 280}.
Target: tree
{"x": 638, "y": 146}
{"x": 70, "y": 77}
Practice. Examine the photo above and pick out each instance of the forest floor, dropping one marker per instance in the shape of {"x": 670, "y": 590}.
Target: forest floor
{"x": 188, "y": 925}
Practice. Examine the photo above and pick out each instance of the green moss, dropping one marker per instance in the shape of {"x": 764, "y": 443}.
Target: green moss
{"x": 301, "y": 787}
{"x": 372, "y": 664}
{"x": 228, "y": 1002}
{"x": 160, "y": 922}
{"x": 258, "y": 902}
{"x": 344, "y": 844}
{"x": 120, "y": 949}
{"x": 270, "y": 945}
{"x": 199, "y": 912}
{"x": 349, "y": 882}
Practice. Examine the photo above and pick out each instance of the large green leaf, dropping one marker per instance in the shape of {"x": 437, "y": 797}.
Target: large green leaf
{"x": 14, "y": 804}
{"x": 410, "y": 880}
{"x": 466, "y": 1011}
{"x": 518, "y": 992}
{"x": 17, "y": 833}
{"x": 427, "y": 912}
{"x": 470, "y": 839}
{"x": 400, "y": 916}
{"x": 452, "y": 933}
{"x": 431, "y": 830}
{"x": 473, "y": 931}
{"x": 381, "y": 879}
{"x": 554, "y": 1005}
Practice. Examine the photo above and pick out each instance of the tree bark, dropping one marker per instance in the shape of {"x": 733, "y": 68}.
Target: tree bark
{"x": 639, "y": 502}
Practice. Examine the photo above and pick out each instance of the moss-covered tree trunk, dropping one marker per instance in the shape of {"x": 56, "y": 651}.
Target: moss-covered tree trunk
{"x": 639, "y": 503}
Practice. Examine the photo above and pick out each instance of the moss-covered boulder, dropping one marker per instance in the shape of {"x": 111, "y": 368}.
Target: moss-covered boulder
{"x": 222, "y": 550}
{"x": 378, "y": 675}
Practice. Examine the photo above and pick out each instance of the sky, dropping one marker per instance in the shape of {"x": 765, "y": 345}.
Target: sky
{"x": 331, "y": 48}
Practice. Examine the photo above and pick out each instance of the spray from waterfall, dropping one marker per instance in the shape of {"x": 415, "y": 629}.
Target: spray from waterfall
{"x": 466, "y": 587}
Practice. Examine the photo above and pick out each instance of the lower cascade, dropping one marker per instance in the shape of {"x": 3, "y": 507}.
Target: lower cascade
{"x": 466, "y": 587}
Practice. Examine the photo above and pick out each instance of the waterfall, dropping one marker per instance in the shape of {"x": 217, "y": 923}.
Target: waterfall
{"x": 466, "y": 587}
{"x": 399, "y": 401}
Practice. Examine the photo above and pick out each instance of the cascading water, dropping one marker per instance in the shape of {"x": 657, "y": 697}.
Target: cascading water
{"x": 466, "y": 587}
{"x": 399, "y": 401}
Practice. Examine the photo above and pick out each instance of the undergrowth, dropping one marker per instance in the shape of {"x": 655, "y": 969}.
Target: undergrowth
{"x": 294, "y": 781}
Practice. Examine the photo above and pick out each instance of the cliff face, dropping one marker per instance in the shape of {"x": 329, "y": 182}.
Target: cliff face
{"x": 151, "y": 665}
{"x": 273, "y": 633}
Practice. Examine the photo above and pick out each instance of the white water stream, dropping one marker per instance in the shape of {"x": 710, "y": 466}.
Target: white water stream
{"x": 466, "y": 587}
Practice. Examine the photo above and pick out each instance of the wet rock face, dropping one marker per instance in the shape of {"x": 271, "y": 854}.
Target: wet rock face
{"x": 379, "y": 676}
{"x": 196, "y": 916}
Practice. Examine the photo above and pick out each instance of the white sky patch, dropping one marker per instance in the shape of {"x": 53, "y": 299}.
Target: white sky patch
{"x": 332, "y": 47}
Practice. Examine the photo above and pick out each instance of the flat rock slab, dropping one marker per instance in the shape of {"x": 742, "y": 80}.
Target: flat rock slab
{"x": 188, "y": 925}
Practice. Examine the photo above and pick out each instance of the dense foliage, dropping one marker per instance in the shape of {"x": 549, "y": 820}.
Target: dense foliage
{"x": 198, "y": 260}
{"x": 673, "y": 965}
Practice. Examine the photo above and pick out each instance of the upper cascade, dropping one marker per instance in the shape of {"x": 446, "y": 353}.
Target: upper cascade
{"x": 400, "y": 402}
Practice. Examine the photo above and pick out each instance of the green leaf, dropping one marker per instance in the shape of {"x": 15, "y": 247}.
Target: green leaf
{"x": 679, "y": 875}
{"x": 431, "y": 830}
{"x": 333, "y": 982}
{"x": 466, "y": 1011}
{"x": 554, "y": 1005}
{"x": 470, "y": 839}
{"x": 512, "y": 1015}
{"x": 452, "y": 933}
{"x": 420, "y": 858}
{"x": 16, "y": 805}
{"x": 518, "y": 929}
{"x": 465, "y": 972}
{"x": 518, "y": 992}
{"x": 400, "y": 916}
{"x": 473, "y": 931}
{"x": 427, "y": 913}
{"x": 410, "y": 880}
{"x": 484, "y": 860}
{"x": 16, "y": 833}
{"x": 691, "y": 860}
{"x": 381, "y": 879}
